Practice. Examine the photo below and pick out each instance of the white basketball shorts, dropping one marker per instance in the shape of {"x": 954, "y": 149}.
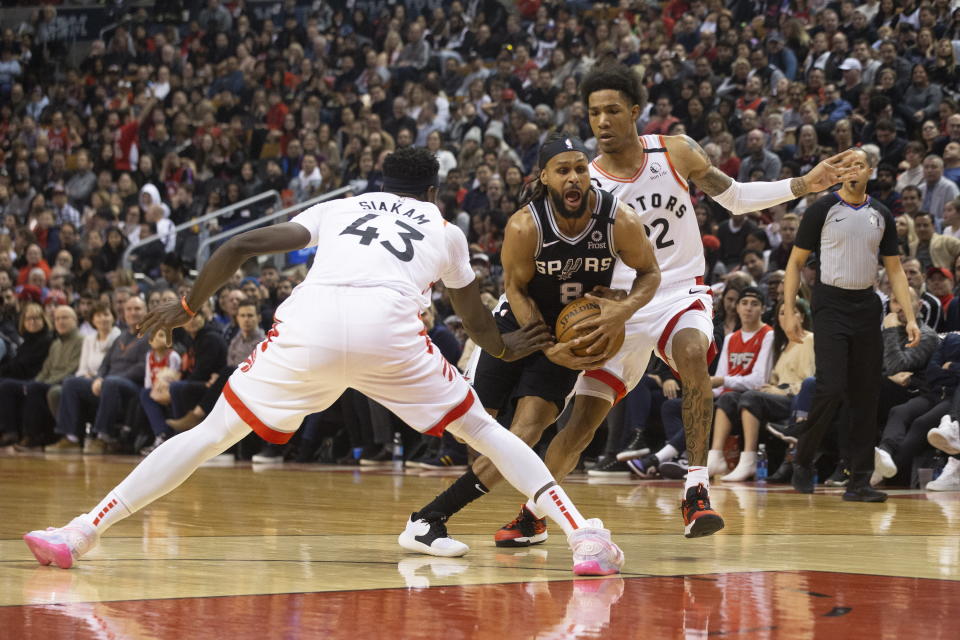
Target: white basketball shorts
{"x": 651, "y": 330}
{"x": 327, "y": 339}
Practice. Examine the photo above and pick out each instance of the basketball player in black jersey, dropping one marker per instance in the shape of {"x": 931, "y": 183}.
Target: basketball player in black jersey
{"x": 560, "y": 246}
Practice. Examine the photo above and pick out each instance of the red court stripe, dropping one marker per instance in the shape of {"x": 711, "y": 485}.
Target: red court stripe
{"x": 457, "y": 412}
{"x": 267, "y": 433}
{"x": 610, "y": 380}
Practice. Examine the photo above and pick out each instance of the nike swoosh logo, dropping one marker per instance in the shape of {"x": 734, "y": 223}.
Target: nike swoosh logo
{"x": 839, "y": 219}
{"x": 550, "y": 244}
{"x": 479, "y": 488}
{"x": 693, "y": 291}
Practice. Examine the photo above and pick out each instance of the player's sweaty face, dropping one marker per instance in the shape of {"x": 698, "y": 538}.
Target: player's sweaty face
{"x": 567, "y": 178}
{"x": 612, "y": 120}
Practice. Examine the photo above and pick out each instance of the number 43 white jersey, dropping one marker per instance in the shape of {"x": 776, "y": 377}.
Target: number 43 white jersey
{"x": 385, "y": 240}
{"x": 662, "y": 199}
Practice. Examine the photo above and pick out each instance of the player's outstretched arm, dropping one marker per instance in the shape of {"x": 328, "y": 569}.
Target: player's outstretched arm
{"x": 633, "y": 247}
{"x": 692, "y": 162}
{"x": 479, "y": 324}
{"x": 278, "y": 238}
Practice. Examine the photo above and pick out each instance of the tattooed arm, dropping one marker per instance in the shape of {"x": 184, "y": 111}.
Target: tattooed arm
{"x": 692, "y": 163}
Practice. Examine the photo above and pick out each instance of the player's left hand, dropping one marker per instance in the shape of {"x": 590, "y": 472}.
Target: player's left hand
{"x": 833, "y": 170}
{"x": 165, "y": 317}
{"x": 599, "y": 331}
{"x": 913, "y": 334}
{"x": 524, "y": 341}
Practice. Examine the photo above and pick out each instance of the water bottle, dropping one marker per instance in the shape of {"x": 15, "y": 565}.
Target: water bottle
{"x": 762, "y": 464}
{"x": 397, "y": 451}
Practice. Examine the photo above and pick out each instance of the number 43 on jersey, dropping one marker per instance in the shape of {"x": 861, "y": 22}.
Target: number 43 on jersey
{"x": 368, "y": 234}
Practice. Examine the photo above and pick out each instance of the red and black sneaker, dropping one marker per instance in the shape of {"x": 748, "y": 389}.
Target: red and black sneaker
{"x": 524, "y": 530}
{"x": 698, "y": 518}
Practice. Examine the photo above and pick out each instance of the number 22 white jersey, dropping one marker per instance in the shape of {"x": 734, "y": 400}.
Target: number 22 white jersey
{"x": 385, "y": 240}
{"x": 662, "y": 199}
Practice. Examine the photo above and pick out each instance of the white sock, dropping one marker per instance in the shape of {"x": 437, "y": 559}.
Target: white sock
{"x": 170, "y": 464}
{"x": 556, "y": 504}
{"x": 695, "y": 476}
{"x": 519, "y": 466}
{"x": 110, "y": 511}
{"x": 669, "y": 452}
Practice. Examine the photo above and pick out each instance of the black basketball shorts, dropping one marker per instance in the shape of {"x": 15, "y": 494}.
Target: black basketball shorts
{"x": 497, "y": 382}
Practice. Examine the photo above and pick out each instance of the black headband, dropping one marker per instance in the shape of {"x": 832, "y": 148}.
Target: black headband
{"x": 561, "y": 145}
{"x": 403, "y": 185}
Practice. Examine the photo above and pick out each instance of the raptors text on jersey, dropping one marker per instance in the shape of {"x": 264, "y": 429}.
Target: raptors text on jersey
{"x": 662, "y": 199}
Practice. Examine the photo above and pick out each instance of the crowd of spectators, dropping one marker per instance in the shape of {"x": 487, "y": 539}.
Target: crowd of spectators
{"x": 180, "y": 112}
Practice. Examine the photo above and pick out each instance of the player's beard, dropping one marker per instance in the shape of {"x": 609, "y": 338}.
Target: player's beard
{"x": 561, "y": 206}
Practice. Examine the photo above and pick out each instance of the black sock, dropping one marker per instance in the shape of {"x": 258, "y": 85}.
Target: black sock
{"x": 462, "y": 492}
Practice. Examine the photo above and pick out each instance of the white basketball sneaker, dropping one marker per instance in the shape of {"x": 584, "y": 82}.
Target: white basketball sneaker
{"x": 949, "y": 478}
{"x": 63, "y": 546}
{"x": 594, "y": 553}
{"x": 429, "y": 535}
{"x": 946, "y": 437}
{"x": 883, "y": 463}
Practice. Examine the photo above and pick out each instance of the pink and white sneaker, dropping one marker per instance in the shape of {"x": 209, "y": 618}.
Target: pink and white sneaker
{"x": 62, "y": 546}
{"x": 594, "y": 553}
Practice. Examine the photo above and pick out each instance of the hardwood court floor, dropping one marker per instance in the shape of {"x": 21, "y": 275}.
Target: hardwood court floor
{"x": 310, "y": 552}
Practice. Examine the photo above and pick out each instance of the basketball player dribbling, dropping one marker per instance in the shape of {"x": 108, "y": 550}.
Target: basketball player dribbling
{"x": 650, "y": 174}
{"x": 562, "y": 244}
{"x": 352, "y": 323}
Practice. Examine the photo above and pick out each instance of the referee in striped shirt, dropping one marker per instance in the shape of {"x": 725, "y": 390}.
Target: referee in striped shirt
{"x": 851, "y": 232}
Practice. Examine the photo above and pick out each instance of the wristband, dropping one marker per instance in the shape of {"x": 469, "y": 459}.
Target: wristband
{"x": 502, "y": 352}
{"x": 183, "y": 303}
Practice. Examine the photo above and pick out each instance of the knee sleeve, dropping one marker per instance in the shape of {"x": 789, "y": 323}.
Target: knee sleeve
{"x": 177, "y": 458}
{"x": 515, "y": 461}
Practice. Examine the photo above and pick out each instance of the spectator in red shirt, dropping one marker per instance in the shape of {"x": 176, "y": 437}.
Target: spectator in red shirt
{"x": 126, "y": 151}
{"x": 277, "y": 112}
{"x": 34, "y": 258}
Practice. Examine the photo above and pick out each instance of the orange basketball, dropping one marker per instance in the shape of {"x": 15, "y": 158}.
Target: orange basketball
{"x": 575, "y": 313}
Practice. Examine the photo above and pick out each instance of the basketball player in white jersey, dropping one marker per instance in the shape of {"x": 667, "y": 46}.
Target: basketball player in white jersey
{"x": 650, "y": 173}
{"x": 352, "y": 323}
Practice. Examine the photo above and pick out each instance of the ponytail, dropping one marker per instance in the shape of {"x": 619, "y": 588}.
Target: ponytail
{"x": 534, "y": 190}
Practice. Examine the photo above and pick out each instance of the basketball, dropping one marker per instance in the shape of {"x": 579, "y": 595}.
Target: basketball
{"x": 573, "y": 315}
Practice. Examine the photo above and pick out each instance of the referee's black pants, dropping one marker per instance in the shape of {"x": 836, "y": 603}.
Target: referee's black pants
{"x": 849, "y": 355}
